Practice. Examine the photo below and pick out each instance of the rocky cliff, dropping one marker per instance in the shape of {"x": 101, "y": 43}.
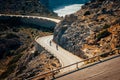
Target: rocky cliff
{"x": 25, "y": 7}
{"x": 92, "y": 30}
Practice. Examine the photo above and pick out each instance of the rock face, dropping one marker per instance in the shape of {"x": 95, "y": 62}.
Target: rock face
{"x": 29, "y": 7}
{"x": 89, "y": 30}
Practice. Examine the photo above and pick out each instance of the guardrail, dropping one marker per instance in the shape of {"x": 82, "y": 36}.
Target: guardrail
{"x": 89, "y": 60}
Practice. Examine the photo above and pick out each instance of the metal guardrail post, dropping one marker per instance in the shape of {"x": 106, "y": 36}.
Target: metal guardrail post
{"x": 53, "y": 75}
{"x": 99, "y": 58}
{"x": 77, "y": 66}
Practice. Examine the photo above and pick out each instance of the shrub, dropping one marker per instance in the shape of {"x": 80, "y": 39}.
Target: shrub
{"x": 87, "y": 13}
{"x": 101, "y": 0}
{"x": 105, "y": 55}
{"x": 21, "y": 69}
{"x": 106, "y": 26}
{"x": 9, "y": 70}
{"x": 22, "y": 48}
{"x": 15, "y": 59}
{"x": 15, "y": 30}
{"x": 103, "y": 34}
{"x": 92, "y": 1}
{"x": 11, "y": 35}
{"x": 36, "y": 53}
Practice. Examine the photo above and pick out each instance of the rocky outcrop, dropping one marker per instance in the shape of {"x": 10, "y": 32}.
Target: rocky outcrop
{"x": 82, "y": 33}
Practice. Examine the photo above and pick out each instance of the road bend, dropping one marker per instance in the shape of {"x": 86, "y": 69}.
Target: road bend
{"x": 65, "y": 57}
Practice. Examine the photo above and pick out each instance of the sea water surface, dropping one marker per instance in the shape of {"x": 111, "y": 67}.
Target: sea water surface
{"x": 66, "y": 10}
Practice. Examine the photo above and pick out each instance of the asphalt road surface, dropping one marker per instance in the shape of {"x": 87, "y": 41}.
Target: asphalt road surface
{"x": 108, "y": 70}
{"x": 65, "y": 57}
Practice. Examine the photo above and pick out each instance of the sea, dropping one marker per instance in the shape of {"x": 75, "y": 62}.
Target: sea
{"x": 67, "y": 9}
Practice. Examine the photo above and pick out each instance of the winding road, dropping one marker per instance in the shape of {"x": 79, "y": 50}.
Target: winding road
{"x": 38, "y": 17}
{"x": 108, "y": 70}
{"x": 66, "y": 58}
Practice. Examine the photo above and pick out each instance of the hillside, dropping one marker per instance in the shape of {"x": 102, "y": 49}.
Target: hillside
{"x": 19, "y": 59}
{"x": 92, "y": 30}
{"x": 24, "y": 7}
{"x": 18, "y": 56}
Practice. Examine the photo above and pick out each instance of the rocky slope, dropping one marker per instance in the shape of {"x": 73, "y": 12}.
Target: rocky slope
{"x": 25, "y": 7}
{"x": 31, "y": 63}
{"x": 18, "y": 57}
{"x": 92, "y": 30}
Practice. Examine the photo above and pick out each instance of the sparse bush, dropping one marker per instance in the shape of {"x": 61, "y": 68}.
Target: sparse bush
{"x": 101, "y": 0}
{"x": 21, "y": 69}
{"x": 32, "y": 74}
{"x": 106, "y": 26}
{"x": 15, "y": 59}
{"x": 118, "y": 46}
{"x": 51, "y": 56}
{"x": 11, "y": 35}
{"x": 9, "y": 70}
{"x": 87, "y": 13}
{"x": 15, "y": 30}
{"x": 22, "y": 48}
{"x": 32, "y": 32}
{"x": 28, "y": 37}
{"x": 103, "y": 34}
{"x": 8, "y": 47}
{"x": 92, "y": 1}
{"x": 105, "y": 55}
{"x": 102, "y": 19}
{"x": 36, "y": 53}
{"x": 15, "y": 21}
{"x": 42, "y": 79}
